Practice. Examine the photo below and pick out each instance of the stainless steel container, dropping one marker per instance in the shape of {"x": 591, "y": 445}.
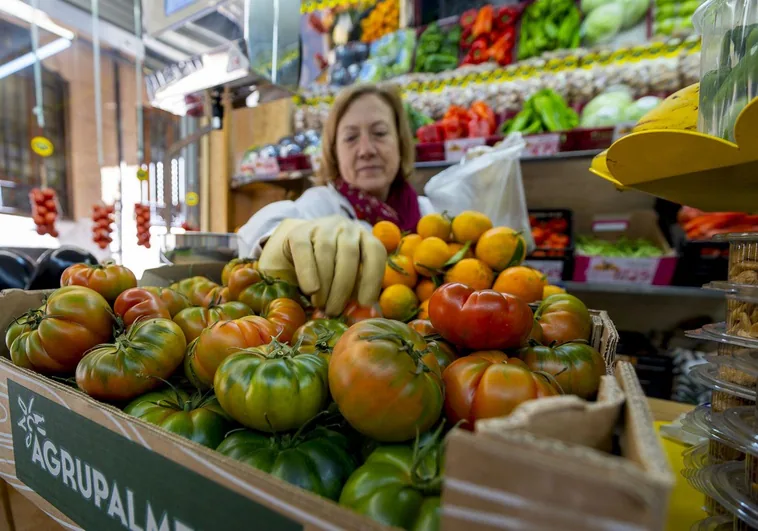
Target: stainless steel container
{"x": 194, "y": 247}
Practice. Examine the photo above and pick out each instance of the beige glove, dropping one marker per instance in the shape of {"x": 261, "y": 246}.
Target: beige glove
{"x": 331, "y": 258}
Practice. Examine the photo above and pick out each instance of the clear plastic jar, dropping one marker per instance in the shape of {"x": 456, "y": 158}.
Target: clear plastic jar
{"x": 728, "y": 63}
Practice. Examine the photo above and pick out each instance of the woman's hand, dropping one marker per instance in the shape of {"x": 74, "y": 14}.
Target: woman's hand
{"x": 331, "y": 257}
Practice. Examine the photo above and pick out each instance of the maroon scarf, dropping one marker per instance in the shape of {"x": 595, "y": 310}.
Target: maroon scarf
{"x": 401, "y": 207}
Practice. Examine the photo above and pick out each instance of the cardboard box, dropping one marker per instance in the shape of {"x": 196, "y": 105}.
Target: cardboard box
{"x": 89, "y": 465}
{"x": 647, "y": 271}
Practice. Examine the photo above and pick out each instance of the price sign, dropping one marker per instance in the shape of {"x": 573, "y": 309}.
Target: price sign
{"x": 42, "y": 146}
{"x": 542, "y": 145}
{"x": 142, "y": 174}
{"x": 191, "y": 199}
{"x": 456, "y": 149}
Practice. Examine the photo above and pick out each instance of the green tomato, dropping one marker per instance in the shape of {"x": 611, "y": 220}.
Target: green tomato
{"x": 398, "y": 486}
{"x": 259, "y": 295}
{"x": 575, "y": 365}
{"x": 319, "y": 336}
{"x": 272, "y": 388}
{"x": 318, "y": 461}
{"x": 197, "y": 418}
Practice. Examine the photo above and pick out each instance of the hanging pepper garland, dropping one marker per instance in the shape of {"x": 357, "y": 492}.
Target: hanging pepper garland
{"x": 142, "y": 213}
{"x": 102, "y": 224}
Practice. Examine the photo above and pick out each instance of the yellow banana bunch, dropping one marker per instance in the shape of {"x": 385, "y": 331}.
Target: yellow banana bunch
{"x": 678, "y": 111}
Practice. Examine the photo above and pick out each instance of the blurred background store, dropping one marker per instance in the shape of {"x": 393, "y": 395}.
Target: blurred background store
{"x": 206, "y": 111}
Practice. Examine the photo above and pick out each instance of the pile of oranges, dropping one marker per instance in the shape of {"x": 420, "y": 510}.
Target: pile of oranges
{"x": 465, "y": 249}
{"x": 383, "y": 19}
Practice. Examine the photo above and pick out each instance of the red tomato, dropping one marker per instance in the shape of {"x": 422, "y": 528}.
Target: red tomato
{"x": 479, "y": 320}
{"x": 354, "y": 313}
{"x": 138, "y": 303}
{"x": 287, "y": 315}
{"x": 109, "y": 279}
{"x": 490, "y": 384}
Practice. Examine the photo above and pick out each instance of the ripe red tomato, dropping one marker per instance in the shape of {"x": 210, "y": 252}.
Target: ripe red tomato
{"x": 221, "y": 340}
{"x": 563, "y": 318}
{"x": 442, "y": 350}
{"x": 54, "y": 338}
{"x": 234, "y": 265}
{"x": 196, "y": 289}
{"x": 287, "y": 315}
{"x": 195, "y": 319}
{"x": 217, "y": 295}
{"x": 109, "y": 279}
{"x": 385, "y": 382}
{"x": 354, "y": 313}
{"x": 479, "y": 320}
{"x": 136, "y": 303}
{"x": 489, "y": 384}
{"x": 175, "y": 301}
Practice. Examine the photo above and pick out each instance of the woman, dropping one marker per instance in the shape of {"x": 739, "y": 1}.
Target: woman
{"x": 323, "y": 239}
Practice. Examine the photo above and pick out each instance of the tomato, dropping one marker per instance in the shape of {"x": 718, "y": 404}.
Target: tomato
{"x": 490, "y": 384}
{"x": 175, "y": 302}
{"x": 317, "y": 461}
{"x": 354, "y": 313}
{"x": 234, "y": 265}
{"x": 197, "y": 418}
{"x": 52, "y": 339}
{"x": 319, "y": 336}
{"x": 563, "y": 318}
{"x": 196, "y": 289}
{"x": 194, "y": 320}
{"x": 576, "y": 366}
{"x": 217, "y": 295}
{"x": 240, "y": 279}
{"x": 479, "y": 320}
{"x": 391, "y": 489}
{"x": 442, "y": 350}
{"x": 222, "y": 339}
{"x": 536, "y": 332}
{"x": 259, "y": 295}
{"x": 138, "y": 303}
{"x": 272, "y": 388}
{"x": 287, "y": 315}
{"x": 109, "y": 279}
{"x": 150, "y": 351}
{"x": 384, "y": 381}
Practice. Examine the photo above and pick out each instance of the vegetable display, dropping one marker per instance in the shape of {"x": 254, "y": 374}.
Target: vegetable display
{"x": 108, "y": 279}
{"x": 437, "y": 49}
{"x": 622, "y": 248}
{"x": 546, "y": 111}
{"x": 351, "y": 408}
{"x": 489, "y": 34}
{"x": 549, "y": 25}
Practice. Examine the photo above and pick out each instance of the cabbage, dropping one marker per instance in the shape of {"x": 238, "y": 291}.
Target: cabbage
{"x": 607, "y": 108}
{"x": 634, "y": 10}
{"x": 602, "y": 24}
{"x": 589, "y": 6}
{"x": 640, "y": 108}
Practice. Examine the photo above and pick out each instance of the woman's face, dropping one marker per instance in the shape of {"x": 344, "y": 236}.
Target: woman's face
{"x": 368, "y": 148}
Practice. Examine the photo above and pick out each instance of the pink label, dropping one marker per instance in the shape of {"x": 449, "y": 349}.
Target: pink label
{"x": 456, "y": 149}
{"x": 629, "y": 270}
{"x": 542, "y": 145}
{"x": 552, "y": 269}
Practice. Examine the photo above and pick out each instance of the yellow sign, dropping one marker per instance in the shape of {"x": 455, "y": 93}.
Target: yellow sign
{"x": 42, "y": 146}
{"x": 142, "y": 174}
{"x": 192, "y": 199}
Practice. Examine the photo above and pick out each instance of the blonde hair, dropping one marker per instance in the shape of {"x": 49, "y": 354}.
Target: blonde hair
{"x": 390, "y": 94}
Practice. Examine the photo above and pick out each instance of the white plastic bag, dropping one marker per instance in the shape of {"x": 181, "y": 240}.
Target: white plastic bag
{"x": 489, "y": 183}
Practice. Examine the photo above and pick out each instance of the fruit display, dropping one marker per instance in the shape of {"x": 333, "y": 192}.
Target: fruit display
{"x": 352, "y": 408}
{"x": 142, "y": 216}
{"x": 549, "y": 25}
{"x": 546, "y": 111}
{"x": 489, "y": 34}
{"x": 44, "y": 210}
{"x": 102, "y": 225}
{"x": 383, "y": 19}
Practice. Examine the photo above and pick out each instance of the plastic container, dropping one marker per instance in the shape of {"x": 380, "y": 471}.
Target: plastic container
{"x": 721, "y": 522}
{"x": 702, "y": 422}
{"x": 712, "y": 375}
{"x": 726, "y": 484}
{"x": 728, "y": 63}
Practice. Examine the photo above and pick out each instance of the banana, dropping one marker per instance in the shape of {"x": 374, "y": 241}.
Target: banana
{"x": 678, "y": 111}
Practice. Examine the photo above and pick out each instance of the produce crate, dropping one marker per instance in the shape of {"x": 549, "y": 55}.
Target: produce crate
{"x": 556, "y": 264}
{"x": 52, "y": 436}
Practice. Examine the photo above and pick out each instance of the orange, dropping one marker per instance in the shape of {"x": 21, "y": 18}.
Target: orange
{"x": 399, "y": 270}
{"x": 468, "y": 226}
{"x": 501, "y": 247}
{"x": 408, "y": 244}
{"x": 471, "y": 272}
{"x": 434, "y": 225}
{"x": 523, "y": 282}
{"x": 425, "y": 289}
{"x": 455, "y": 247}
{"x": 551, "y": 290}
{"x": 398, "y": 302}
{"x": 430, "y": 255}
{"x": 423, "y": 310}
{"x": 388, "y": 233}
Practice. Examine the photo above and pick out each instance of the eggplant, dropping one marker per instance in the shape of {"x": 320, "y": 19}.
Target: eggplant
{"x": 16, "y": 269}
{"x": 53, "y": 262}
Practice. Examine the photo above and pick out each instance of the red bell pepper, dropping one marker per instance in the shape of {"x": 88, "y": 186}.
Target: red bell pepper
{"x": 505, "y": 16}
{"x": 483, "y": 112}
{"x": 456, "y": 111}
{"x": 500, "y": 51}
{"x": 467, "y": 39}
{"x": 467, "y": 19}
{"x": 430, "y": 133}
{"x": 478, "y": 53}
{"x": 483, "y": 23}
{"x": 453, "y": 128}
{"x": 477, "y": 127}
